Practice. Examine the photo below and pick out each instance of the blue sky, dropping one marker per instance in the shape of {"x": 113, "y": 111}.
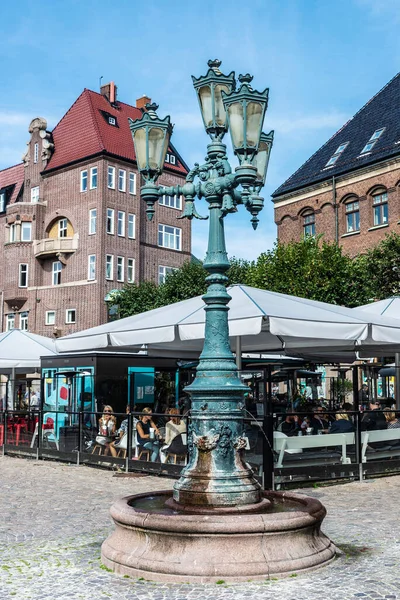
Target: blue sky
{"x": 322, "y": 61}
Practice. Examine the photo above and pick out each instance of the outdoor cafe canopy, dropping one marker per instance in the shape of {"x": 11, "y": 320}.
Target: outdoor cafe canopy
{"x": 20, "y": 351}
{"x": 265, "y": 322}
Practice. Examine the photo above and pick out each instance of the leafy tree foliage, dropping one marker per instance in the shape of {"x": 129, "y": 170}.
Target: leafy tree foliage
{"x": 382, "y": 268}
{"x": 134, "y": 299}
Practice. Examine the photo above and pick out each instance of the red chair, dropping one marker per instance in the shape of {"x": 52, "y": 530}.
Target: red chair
{"x": 21, "y": 426}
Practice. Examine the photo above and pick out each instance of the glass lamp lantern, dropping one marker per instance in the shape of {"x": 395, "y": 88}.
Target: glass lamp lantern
{"x": 151, "y": 136}
{"x": 209, "y": 90}
{"x": 245, "y": 110}
{"x": 261, "y": 159}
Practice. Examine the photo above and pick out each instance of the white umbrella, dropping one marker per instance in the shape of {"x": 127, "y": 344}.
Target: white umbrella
{"x": 21, "y": 351}
{"x": 265, "y": 321}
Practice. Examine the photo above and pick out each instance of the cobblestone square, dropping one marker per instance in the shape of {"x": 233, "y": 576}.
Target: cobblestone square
{"x": 54, "y": 517}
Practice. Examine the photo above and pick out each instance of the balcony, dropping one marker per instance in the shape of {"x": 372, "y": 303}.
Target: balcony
{"x": 55, "y": 246}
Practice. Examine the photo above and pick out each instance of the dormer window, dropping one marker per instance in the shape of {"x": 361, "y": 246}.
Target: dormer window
{"x": 372, "y": 140}
{"x": 336, "y": 155}
{"x": 2, "y": 202}
{"x": 170, "y": 158}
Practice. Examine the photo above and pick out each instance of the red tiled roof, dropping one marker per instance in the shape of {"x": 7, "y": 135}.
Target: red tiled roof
{"x": 84, "y": 131}
{"x": 12, "y": 176}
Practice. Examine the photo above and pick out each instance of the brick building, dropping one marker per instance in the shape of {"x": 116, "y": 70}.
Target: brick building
{"x": 73, "y": 224}
{"x": 349, "y": 190}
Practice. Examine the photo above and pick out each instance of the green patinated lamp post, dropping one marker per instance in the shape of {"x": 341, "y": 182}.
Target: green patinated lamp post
{"x": 216, "y": 475}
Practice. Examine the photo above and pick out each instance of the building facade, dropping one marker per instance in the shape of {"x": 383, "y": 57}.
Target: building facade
{"x": 73, "y": 223}
{"x": 349, "y": 190}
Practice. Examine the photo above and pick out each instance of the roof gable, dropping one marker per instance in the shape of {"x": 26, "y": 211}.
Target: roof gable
{"x": 382, "y": 111}
{"x": 85, "y": 131}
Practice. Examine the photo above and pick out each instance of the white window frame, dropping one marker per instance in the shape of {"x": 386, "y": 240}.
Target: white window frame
{"x": 174, "y": 201}
{"x": 63, "y": 228}
{"x": 109, "y": 267}
{"x": 309, "y": 224}
{"x": 92, "y": 221}
{"x": 68, "y": 318}
{"x": 110, "y": 221}
{"x": 352, "y": 210}
{"x": 93, "y": 178}
{"x": 23, "y": 320}
{"x": 130, "y": 270}
{"x": 120, "y": 268}
{"x": 13, "y": 232}
{"x": 372, "y": 140}
{"x": 26, "y": 226}
{"x": 132, "y": 183}
{"x": 163, "y": 271}
{"x": 337, "y": 154}
{"x": 112, "y": 121}
{"x": 169, "y": 239}
{"x": 50, "y": 318}
{"x": 23, "y": 275}
{"x": 36, "y": 153}
{"x": 56, "y": 270}
{"x": 2, "y": 202}
{"x": 121, "y": 223}
{"x": 121, "y": 180}
{"x": 91, "y": 267}
{"x": 35, "y": 194}
{"x": 84, "y": 180}
{"x": 172, "y": 160}
{"x": 131, "y": 226}
{"x": 111, "y": 178}
{"x": 10, "y": 324}
{"x": 380, "y": 205}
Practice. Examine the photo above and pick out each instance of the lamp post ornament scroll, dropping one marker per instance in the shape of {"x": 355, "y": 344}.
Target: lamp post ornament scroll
{"x": 216, "y": 475}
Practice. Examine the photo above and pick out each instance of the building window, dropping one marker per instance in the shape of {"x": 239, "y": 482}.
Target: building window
{"x": 93, "y": 178}
{"x": 170, "y": 158}
{"x": 131, "y": 226}
{"x": 131, "y": 270}
{"x": 309, "y": 224}
{"x": 84, "y": 181}
{"x": 112, "y": 121}
{"x": 23, "y": 275}
{"x": 26, "y": 232}
{"x": 62, "y": 228}
{"x": 372, "y": 140}
{"x": 121, "y": 223}
{"x": 70, "y": 315}
{"x": 10, "y": 321}
{"x": 120, "y": 268}
{"x": 169, "y": 237}
{"x": 91, "y": 267}
{"x": 132, "y": 183}
{"x": 56, "y": 272}
{"x": 171, "y": 201}
{"x": 109, "y": 266}
{"x": 92, "y": 220}
{"x": 163, "y": 272}
{"x": 50, "y": 317}
{"x": 110, "y": 220}
{"x": 352, "y": 216}
{"x": 36, "y": 153}
{"x": 122, "y": 180}
{"x": 23, "y": 321}
{"x": 35, "y": 194}
{"x": 2, "y": 202}
{"x": 336, "y": 155}
{"x": 111, "y": 178}
{"x": 13, "y": 232}
{"x": 381, "y": 210}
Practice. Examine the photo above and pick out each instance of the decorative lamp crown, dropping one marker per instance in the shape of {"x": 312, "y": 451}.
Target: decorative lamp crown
{"x": 151, "y": 136}
{"x": 245, "y": 110}
{"x": 209, "y": 90}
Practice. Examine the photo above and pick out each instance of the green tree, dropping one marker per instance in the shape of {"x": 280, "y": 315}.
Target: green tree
{"x": 134, "y": 299}
{"x": 184, "y": 283}
{"x": 382, "y": 268}
{"x": 239, "y": 270}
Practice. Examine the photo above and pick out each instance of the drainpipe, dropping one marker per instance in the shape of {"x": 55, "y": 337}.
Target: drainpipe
{"x": 2, "y": 311}
{"x": 336, "y": 209}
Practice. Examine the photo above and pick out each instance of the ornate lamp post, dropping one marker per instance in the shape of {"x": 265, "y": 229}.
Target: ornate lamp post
{"x": 216, "y": 476}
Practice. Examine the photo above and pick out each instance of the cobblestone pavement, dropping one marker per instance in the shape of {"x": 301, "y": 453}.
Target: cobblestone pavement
{"x": 54, "y": 517}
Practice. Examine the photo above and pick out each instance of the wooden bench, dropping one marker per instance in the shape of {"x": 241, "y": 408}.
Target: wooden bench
{"x": 285, "y": 446}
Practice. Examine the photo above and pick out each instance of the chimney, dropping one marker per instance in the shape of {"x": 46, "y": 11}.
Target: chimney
{"x": 141, "y": 102}
{"x": 109, "y": 90}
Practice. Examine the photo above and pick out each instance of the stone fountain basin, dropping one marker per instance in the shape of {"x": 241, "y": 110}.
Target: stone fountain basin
{"x": 161, "y": 544}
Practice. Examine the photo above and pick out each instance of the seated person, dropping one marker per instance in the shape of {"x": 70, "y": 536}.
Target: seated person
{"x": 143, "y": 433}
{"x": 319, "y": 422}
{"x": 342, "y": 424}
{"x": 174, "y": 427}
{"x": 374, "y": 418}
{"x": 392, "y": 421}
{"x": 122, "y": 432}
{"x": 107, "y": 425}
{"x": 290, "y": 426}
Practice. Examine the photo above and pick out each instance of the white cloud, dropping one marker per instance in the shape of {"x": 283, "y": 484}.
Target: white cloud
{"x": 307, "y": 122}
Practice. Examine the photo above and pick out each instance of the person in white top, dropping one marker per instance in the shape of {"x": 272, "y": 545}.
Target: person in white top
{"x": 175, "y": 426}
